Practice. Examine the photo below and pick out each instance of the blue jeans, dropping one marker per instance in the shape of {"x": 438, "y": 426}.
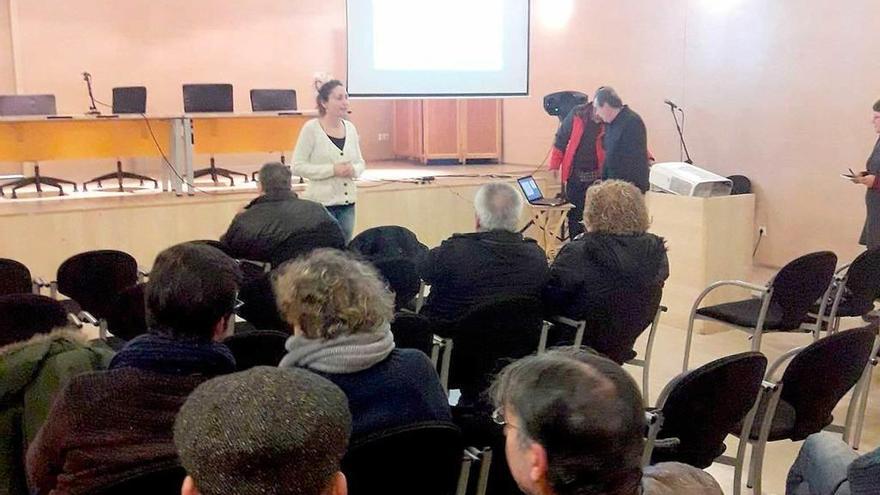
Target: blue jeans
{"x": 821, "y": 466}
{"x": 344, "y": 215}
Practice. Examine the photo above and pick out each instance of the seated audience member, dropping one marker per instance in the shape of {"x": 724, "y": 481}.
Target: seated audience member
{"x": 33, "y": 372}
{"x": 298, "y": 434}
{"x": 107, "y": 426}
{"x": 613, "y": 270}
{"x": 493, "y": 262}
{"x": 340, "y": 312}
{"x": 574, "y": 424}
{"x": 826, "y": 465}
{"x": 278, "y": 226}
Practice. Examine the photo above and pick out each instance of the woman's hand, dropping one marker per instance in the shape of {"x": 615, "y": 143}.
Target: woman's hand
{"x": 345, "y": 169}
{"x": 866, "y": 180}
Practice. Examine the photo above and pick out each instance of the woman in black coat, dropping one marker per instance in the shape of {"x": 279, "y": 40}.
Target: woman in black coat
{"x": 871, "y": 231}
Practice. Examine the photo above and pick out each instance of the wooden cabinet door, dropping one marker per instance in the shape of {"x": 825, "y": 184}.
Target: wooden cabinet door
{"x": 481, "y": 128}
{"x": 407, "y": 129}
{"x": 440, "y": 119}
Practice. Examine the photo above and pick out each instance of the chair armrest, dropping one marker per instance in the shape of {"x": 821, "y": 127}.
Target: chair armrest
{"x": 663, "y": 309}
{"x": 142, "y": 274}
{"x": 763, "y": 289}
{"x": 564, "y": 320}
{"x": 88, "y": 317}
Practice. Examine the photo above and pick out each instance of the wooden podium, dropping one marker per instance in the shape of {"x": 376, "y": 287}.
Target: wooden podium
{"x": 709, "y": 239}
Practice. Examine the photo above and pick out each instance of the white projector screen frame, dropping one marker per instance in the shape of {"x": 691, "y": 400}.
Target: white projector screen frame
{"x": 381, "y": 64}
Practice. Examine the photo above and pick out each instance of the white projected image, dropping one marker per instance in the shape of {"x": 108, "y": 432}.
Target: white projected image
{"x": 432, "y": 35}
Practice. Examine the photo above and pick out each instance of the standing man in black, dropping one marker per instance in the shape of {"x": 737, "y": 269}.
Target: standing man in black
{"x": 625, "y": 140}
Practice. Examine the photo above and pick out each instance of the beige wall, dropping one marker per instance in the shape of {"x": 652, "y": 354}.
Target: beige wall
{"x": 780, "y": 91}
{"x": 7, "y": 75}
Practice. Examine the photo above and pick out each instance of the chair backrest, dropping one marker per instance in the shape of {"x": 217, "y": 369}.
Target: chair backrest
{"x": 95, "y": 278}
{"x": 863, "y": 279}
{"x": 800, "y": 283}
{"x": 402, "y": 277}
{"x": 740, "y": 184}
{"x": 423, "y": 458}
{"x": 273, "y": 100}
{"x": 12, "y": 105}
{"x": 130, "y": 99}
{"x": 24, "y": 315}
{"x": 613, "y": 327}
{"x": 388, "y": 241}
{"x": 15, "y": 278}
{"x": 260, "y": 308}
{"x": 821, "y": 374}
{"x": 128, "y": 314}
{"x": 560, "y": 103}
{"x": 412, "y": 331}
{"x": 257, "y": 348}
{"x": 489, "y": 337}
{"x": 162, "y": 482}
{"x": 702, "y": 405}
{"x": 207, "y": 98}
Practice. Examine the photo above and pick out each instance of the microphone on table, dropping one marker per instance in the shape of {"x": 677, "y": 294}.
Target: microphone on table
{"x": 671, "y": 104}
{"x": 92, "y": 109}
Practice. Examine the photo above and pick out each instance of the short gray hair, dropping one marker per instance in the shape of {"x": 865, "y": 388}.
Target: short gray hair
{"x": 498, "y": 206}
{"x": 275, "y": 177}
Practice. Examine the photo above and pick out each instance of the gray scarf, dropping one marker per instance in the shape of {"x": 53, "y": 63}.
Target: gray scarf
{"x": 346, "y": 354}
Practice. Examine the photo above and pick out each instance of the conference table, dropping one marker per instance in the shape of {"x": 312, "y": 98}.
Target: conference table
{"x": 175, "y": 139}
{"x": 39, "y": 138}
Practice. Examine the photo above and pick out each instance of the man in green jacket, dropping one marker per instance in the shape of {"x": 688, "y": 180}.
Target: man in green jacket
{"x": 32, "y": 372}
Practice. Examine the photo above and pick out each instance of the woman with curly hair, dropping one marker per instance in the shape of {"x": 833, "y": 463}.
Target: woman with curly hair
{"x": 613, "y": 275}
{"x": 340, "y": 312}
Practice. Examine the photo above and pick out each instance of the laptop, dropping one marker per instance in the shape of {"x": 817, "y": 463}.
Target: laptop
{"x": 533, "y": 193}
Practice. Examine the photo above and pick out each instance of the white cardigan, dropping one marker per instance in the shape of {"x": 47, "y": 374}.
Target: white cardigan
{"x": 314, "y": 157}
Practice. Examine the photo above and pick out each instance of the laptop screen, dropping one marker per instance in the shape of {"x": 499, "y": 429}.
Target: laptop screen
{"x": 530, "y": 188}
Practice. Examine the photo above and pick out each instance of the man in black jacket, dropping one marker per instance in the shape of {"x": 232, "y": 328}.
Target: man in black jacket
{"x": 625, "y": 140}
{"x": 278, "y": 226}
{"x": 494, "y": 262}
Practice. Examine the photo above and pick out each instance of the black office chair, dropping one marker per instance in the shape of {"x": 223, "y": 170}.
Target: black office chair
{"x": 395, "y": 251}
{"x": 260, "y": 308}
{"x": 560, "y": 103}
{"x": 854, "y": 289}
{"x": 485, "y": 340}
{"x": 273, "y": 100}
{"x": 257, "y": 348}
{"x": 15, "y": 278}
{"x": 423, "y": 458}
{"x": 801, "y": 402}
{"x": 167, "y": 481}
{"x": 210, "y": 98}
{"x": 126, "y": 100}
{"x": 700, "y": 407}
{"x": 413, "y": 331}
{"x": 740, "y": 185}
{"x": 24, "y": 315}
{"x": 127, "y": 317}
{"x": 22, "y": 105}
{"x": 93, "y": 280}
{"x": 782, "y": 307}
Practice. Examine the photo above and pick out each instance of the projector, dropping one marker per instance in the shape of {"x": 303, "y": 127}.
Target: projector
{"x": 685, "y": 179}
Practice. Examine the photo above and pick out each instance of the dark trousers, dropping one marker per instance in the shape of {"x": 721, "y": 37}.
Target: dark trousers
{"x": 575, "y": 193}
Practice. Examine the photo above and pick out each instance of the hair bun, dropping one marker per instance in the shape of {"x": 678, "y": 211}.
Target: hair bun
{"x": 321, "y": 78}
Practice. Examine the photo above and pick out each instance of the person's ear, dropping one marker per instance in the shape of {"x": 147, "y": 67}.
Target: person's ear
{"x": 537, "y": 456}
{"x": 189, "y": 487}
{"x": 224, "y": 327}
{"x": 338, "y": 485}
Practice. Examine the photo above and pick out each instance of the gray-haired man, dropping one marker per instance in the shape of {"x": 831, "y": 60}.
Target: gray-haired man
{"x": 494, "y": 262}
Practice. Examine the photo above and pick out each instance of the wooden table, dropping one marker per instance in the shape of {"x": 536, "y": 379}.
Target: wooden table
{"x": 40, "y": 138}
